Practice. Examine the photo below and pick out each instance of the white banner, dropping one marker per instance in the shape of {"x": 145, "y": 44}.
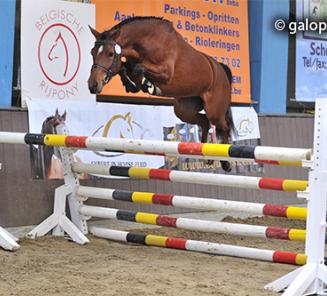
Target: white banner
{"x": 55, "y": 49}
{"x": 112, "y": 120}
{"x": 104, "y": 119}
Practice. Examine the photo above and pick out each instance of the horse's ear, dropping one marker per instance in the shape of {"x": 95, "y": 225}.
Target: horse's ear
{"x": 128, "y": 117}
{"x": 114, "y": 33}
{"x": 57, "y": 113}
{"x": 95, "y": 33}
{"x": 63, "y": 117}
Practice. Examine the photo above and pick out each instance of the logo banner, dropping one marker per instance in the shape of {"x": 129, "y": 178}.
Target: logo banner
{"x": 55, "y": 49}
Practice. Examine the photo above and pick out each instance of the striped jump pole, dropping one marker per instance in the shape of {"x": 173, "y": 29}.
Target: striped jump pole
{"x": 200, "y": 246}
{"x": 197, "y": 203}
{"x": 194, "y": 224}
{"x": 248, "y": 182}
{"x": 259, "y": 154}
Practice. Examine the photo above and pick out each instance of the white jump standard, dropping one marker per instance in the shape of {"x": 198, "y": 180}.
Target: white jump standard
{"x": 311, "y": 279}
{"x": 7, "y": 240}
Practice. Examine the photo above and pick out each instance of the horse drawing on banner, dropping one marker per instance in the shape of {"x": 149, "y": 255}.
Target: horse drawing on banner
{"x": 121, "y": 126}
{"x": 149, "y": 55}
{"x": 46, "y": 160}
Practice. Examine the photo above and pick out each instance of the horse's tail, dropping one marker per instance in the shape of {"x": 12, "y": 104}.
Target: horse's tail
{"x": 230, "y": 121}
{"x": 229, "y": 116}
{"x": 228, "y": 72}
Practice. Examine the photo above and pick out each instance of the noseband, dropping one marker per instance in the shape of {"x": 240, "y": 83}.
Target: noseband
{"x": 109, "y": 72}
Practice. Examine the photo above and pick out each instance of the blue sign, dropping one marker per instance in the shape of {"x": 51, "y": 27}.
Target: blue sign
{"x": 311, "y": 51}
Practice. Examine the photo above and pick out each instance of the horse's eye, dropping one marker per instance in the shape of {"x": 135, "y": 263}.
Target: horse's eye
{"x": 111, "y": 54}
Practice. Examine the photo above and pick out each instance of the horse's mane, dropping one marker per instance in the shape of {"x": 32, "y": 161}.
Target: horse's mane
{"x": 45, "y": 122}
{"x": 133, "y": 19}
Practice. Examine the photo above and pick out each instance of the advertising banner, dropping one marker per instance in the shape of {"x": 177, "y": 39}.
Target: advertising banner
{"x": 55, "y": 49}
{"x": 217, "y": 28}
{"x": 311, "y": 53}
{"x": 84, "y": 118}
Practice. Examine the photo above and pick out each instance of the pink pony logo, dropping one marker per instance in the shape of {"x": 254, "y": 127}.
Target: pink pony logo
{"x": 54, "y": 55}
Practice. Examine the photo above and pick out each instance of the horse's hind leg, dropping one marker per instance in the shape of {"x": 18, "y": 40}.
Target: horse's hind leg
{"x": 187, "y": 110}
{"x": 218, "y": 117}
{"x": 223, "y": 128}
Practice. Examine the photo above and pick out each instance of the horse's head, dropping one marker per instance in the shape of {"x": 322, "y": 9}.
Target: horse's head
{"x": 50, "y": 124}
{"x": 106, "y": 55}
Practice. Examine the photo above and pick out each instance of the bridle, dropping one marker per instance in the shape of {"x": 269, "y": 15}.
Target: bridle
{"x": 109, "y": 72}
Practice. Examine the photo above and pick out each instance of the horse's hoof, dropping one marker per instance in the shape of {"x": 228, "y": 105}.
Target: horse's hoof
{"x": 147, "y": 86}
{"x": 152, "y": 90}
{"x": 226, "y": 166}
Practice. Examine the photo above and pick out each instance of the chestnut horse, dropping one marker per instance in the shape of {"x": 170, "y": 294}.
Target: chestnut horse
{"x": 150, "y": 55}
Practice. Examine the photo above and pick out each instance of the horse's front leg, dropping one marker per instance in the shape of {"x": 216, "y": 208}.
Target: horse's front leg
{"x": 149, "y": 75}
{"x": 130, "y": 85}
{"x": 138, "y": 73}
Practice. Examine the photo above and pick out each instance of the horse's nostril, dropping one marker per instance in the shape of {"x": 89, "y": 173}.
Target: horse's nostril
{"x": 93, "y": 88}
